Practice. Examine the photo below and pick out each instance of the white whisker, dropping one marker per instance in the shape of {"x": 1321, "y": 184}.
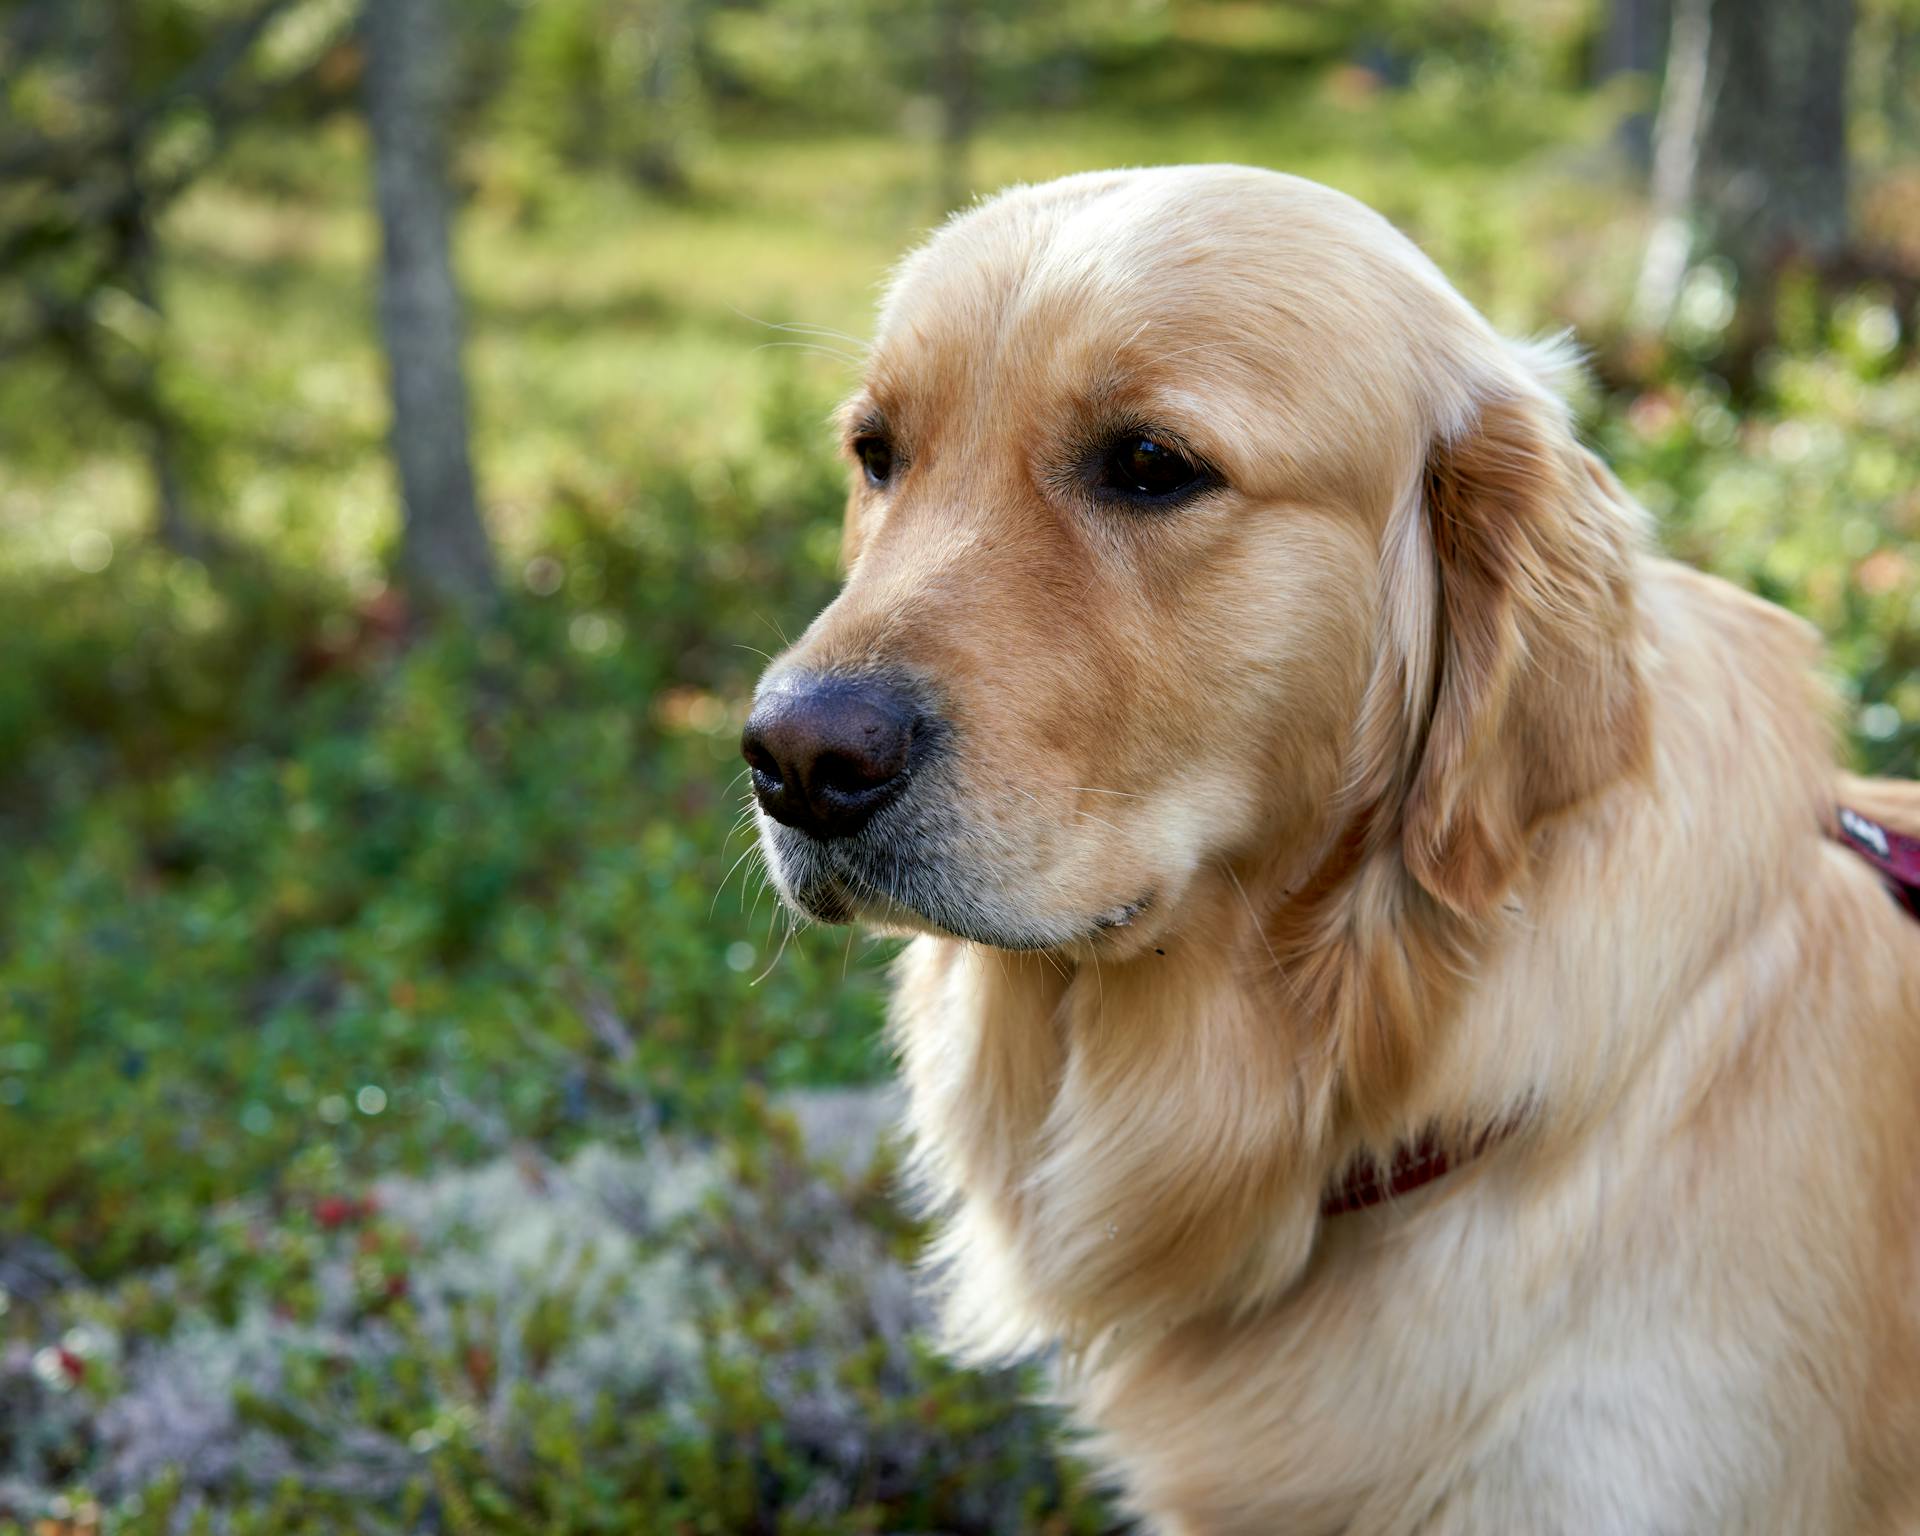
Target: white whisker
{"x": 812, "y": 349}
{"x": 1260, "y": 929}
{"x": 784, "y": 641}
{"x": 785, "y": 939}
{"x": 747, "y": 853}
{"x": 799, "y": 328}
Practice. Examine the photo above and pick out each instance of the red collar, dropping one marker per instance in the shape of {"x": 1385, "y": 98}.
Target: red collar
{"x": 1896, "y": 856}
{"x": 1364, "y": 1182}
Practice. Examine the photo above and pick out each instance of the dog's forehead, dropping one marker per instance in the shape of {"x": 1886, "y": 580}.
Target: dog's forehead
{"x": 1245, "y": 276}
{"x": 1069, "y": 257}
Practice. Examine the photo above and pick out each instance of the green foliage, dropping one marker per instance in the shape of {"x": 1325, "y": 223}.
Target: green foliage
{"x": 1808, "y": 495}
{"x": 359, "y": 870}
{"x": 615, "y": 81}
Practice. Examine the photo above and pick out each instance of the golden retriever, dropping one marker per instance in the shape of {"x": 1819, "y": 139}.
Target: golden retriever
{"x": 1303, "y": 781}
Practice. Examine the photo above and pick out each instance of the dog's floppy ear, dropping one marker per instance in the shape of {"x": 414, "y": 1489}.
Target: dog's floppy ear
{"x": 1536, "y": 700}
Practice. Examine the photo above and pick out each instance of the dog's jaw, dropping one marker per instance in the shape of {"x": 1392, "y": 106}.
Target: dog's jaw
{"x": 895, "y": 881}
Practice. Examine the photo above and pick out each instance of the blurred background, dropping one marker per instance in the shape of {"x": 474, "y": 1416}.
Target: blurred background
{"x": 414, "y": 1113}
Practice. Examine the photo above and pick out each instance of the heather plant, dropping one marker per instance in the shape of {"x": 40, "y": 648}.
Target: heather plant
{"x": 666, "y": 1339}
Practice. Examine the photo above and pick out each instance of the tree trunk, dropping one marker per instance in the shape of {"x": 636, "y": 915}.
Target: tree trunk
{"x": 1634, "y": 41}
{"x": 1898, "y": 69}
{"x": 665, "y": 88}
{"x": 1750, "y": 150}
{"x": 142, "y": 389}
{"x": 957, "y": 91}
{"x": 178, "y": 528}
{"x": 444, "y": 556}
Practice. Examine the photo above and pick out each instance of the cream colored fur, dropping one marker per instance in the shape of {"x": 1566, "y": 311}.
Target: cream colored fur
{"x": 1449, "y": 807}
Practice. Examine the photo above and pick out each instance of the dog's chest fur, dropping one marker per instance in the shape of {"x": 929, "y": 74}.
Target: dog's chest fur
{"x": 1606, "y": 1354}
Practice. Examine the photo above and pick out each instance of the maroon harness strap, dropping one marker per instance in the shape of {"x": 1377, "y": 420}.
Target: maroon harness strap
{"x": 1894, "y": 854}
{"x": 1364, "y": 1182}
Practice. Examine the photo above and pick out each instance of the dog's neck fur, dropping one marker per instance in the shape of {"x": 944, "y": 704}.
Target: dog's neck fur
{"x": 1149, "y": 1140}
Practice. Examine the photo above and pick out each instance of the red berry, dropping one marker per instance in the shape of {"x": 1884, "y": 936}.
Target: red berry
{"x": 335, "y": 1211}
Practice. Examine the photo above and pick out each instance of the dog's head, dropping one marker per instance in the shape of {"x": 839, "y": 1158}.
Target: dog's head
{"x": 1196, "y": 521}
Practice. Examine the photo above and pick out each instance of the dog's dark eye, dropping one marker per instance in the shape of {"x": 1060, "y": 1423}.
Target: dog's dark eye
{"x": 1138, "y": 468}
{"x": 875, "y": 454}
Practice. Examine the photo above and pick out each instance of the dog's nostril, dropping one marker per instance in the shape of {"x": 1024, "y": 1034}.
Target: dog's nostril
{"x": 855, "y": 773}
{"x": 827, "y": 753}
{"x": 759, "y": 759}
{"x": 835, "y": 774}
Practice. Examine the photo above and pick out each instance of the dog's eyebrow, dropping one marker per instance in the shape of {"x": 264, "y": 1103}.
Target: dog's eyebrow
{"x": 1124, "y": 405}
{"x": 860, "y": 417}
{"x": 1121, "y": 394}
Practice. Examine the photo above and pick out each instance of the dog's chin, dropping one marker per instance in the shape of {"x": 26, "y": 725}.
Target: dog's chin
{"x": 894, "y": 893}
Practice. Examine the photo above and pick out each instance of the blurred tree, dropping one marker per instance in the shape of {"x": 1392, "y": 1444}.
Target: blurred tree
{"x": 1890, "y": 47}
{"x": 114, "y": 108}
{"x": 1632, "y": 44}
{"x": 954, "y": 72}
{"x": 613, "y": 81}
{"x": 444, "y": 555}
{"x": 928, "y": 65}
{"x": 1750, "y": 151}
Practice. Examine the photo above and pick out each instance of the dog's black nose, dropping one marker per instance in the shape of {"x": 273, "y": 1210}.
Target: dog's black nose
{"x": 827, "y": 752}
